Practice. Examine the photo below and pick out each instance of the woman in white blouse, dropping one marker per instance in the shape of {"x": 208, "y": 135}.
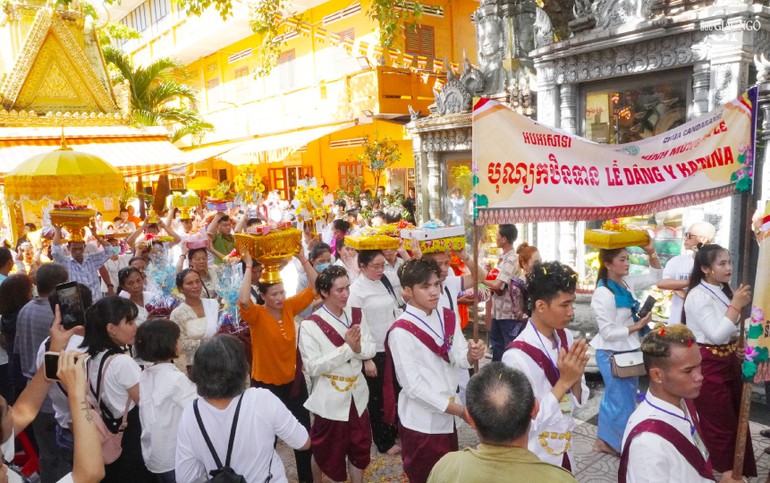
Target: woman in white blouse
{"x": 616, "y": 309}
{"x": 197, "y": 317}
{"x": 373, "y": 292}
{"x": 130, "y": 286}
{"x": 712, "y": 311}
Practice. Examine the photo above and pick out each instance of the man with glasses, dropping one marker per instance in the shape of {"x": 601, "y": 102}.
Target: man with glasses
{"x": 676, "y": 275}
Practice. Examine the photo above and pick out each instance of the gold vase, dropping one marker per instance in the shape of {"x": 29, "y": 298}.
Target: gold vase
{"x": 271, "y": 250}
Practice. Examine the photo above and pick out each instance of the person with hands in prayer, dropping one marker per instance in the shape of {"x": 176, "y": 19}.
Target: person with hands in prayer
{"x": 426, "y": 346}
{"x": 334, "y": 341}
{"x": 553, "y": 362}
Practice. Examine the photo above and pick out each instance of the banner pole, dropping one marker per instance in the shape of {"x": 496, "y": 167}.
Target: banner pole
{"x": 475, "y": 304}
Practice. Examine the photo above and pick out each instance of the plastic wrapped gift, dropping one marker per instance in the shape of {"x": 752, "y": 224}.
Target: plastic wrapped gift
{"x": 614, "y": 234}
{"x": 372, "y": 242}
{"x": 219, "y": 205}
{"x": 438, "y": 245}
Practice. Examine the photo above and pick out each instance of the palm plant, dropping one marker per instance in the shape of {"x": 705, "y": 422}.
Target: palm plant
{"x": 157, "y": 97}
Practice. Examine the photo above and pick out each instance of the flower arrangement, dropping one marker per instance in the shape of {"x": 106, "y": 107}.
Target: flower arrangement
{"x": 221, "y": 197}
{"x": 248, "y": 184}
{"x": 69, "y": 205}
{"x": 614, "y": 225}
{"x": 310, "y": 202}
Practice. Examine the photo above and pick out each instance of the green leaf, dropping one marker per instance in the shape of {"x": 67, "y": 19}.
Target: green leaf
{"x": 749, "y": 370}
{"x": 755, "y": 331}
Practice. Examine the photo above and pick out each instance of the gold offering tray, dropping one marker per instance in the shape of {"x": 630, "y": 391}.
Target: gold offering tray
{"x": 74, "y": 221}
{"x": 270, "y": 250}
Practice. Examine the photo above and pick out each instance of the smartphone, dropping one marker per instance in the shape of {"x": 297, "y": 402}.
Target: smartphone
{"x": 51, "y": 363}
{"x": 647, "y": 307}
{"x": 70, "y": 305}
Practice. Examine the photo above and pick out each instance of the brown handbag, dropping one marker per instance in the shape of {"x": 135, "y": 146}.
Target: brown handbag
{"x": 627, "y": 364}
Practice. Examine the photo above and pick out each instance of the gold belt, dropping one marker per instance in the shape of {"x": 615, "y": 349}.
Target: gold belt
{"x": 543, "y": 437}
{"x": 349, "y": 380}
{"x": 720, "y": 350}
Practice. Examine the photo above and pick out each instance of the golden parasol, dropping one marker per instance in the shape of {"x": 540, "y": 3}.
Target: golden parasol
{"x": 202, "y": 183}
{"x": 59, "y": 175}
{"x": 63, "y": 173}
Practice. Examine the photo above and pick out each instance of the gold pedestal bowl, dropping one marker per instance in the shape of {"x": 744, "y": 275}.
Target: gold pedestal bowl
{"x": 74, "y": 221}
{"x": 271, "y": 250}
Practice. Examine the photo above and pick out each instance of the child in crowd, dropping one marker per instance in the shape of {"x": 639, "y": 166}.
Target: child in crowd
{"x": 164, "y": 391}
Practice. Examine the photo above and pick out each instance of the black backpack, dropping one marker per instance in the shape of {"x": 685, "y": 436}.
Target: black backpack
{"x": 225, "y": 474}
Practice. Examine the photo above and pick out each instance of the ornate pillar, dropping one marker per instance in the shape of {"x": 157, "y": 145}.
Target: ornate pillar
{"x": 567, "y": 249}
{"x": 419, "y": 175}
{"x": 434, "y": 185}
{"x": 547, "y": 95}
{"x": 568, "y": 107}
{"x": 701, "y": 76}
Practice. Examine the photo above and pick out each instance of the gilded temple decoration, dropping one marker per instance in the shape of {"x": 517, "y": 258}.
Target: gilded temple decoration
{"x": 52, "y": 81}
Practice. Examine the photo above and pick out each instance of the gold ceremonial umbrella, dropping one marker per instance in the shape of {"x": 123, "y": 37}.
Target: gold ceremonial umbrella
{"x": 202, "y": 183}
{"x": 63, "y": 173}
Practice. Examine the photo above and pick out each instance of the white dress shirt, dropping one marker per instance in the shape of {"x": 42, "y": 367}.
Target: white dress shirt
{"x": 164, "y": 392}
{"x": 614, "y": 321}
{"x": 428, "y": 382}
{"x": 653, "y": 459}
{"x": 61, "y": 405}
{"x": 549, "y": 419}
{"x": 321, "y": 359}
{"x": 379, "y": 306}
{"x": 678, "y": 268}
{"x": 705, "y": 308}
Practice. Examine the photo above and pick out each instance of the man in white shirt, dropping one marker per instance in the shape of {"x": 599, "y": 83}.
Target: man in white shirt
{"x": 333, "y": 341}
{"x": 676, "y": 274}
{"x": 552, "y": 361}
{"x": 427, "y": 347}
{"x": 662, "y": 440}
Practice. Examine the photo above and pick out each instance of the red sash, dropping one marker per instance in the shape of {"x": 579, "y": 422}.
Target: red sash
{"x": 686, "y": 448}
{"x": 540, "y": 358}
{"x": 442, "y": 351}
{"x": 333, "y": 336}
{"x": 330, "y": 332}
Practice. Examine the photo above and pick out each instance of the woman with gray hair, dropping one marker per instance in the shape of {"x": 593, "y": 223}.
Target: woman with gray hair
{"x": 254, "y": 418}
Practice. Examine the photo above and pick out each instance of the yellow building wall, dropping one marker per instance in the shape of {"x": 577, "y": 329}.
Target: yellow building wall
{"x": 242, "y": 107}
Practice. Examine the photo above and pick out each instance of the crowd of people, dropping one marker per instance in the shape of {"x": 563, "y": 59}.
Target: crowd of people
{"x": 190, "y": 391}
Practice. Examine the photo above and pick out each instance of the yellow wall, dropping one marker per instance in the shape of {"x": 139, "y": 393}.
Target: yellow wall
{"x": 322, "y": 93}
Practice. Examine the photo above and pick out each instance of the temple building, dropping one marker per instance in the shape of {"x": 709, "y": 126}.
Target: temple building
{"x": 54, "y": 84}
{"x": 334, "y": 84}
{"x": 613, "y": 72}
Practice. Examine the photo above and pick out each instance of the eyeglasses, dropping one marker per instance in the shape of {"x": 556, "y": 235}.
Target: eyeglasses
{"x": 688, "y": 236}
{"x": 379, "y": 266}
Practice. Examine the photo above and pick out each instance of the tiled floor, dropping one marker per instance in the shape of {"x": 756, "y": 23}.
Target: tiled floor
{"x": 591, "y": 467}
